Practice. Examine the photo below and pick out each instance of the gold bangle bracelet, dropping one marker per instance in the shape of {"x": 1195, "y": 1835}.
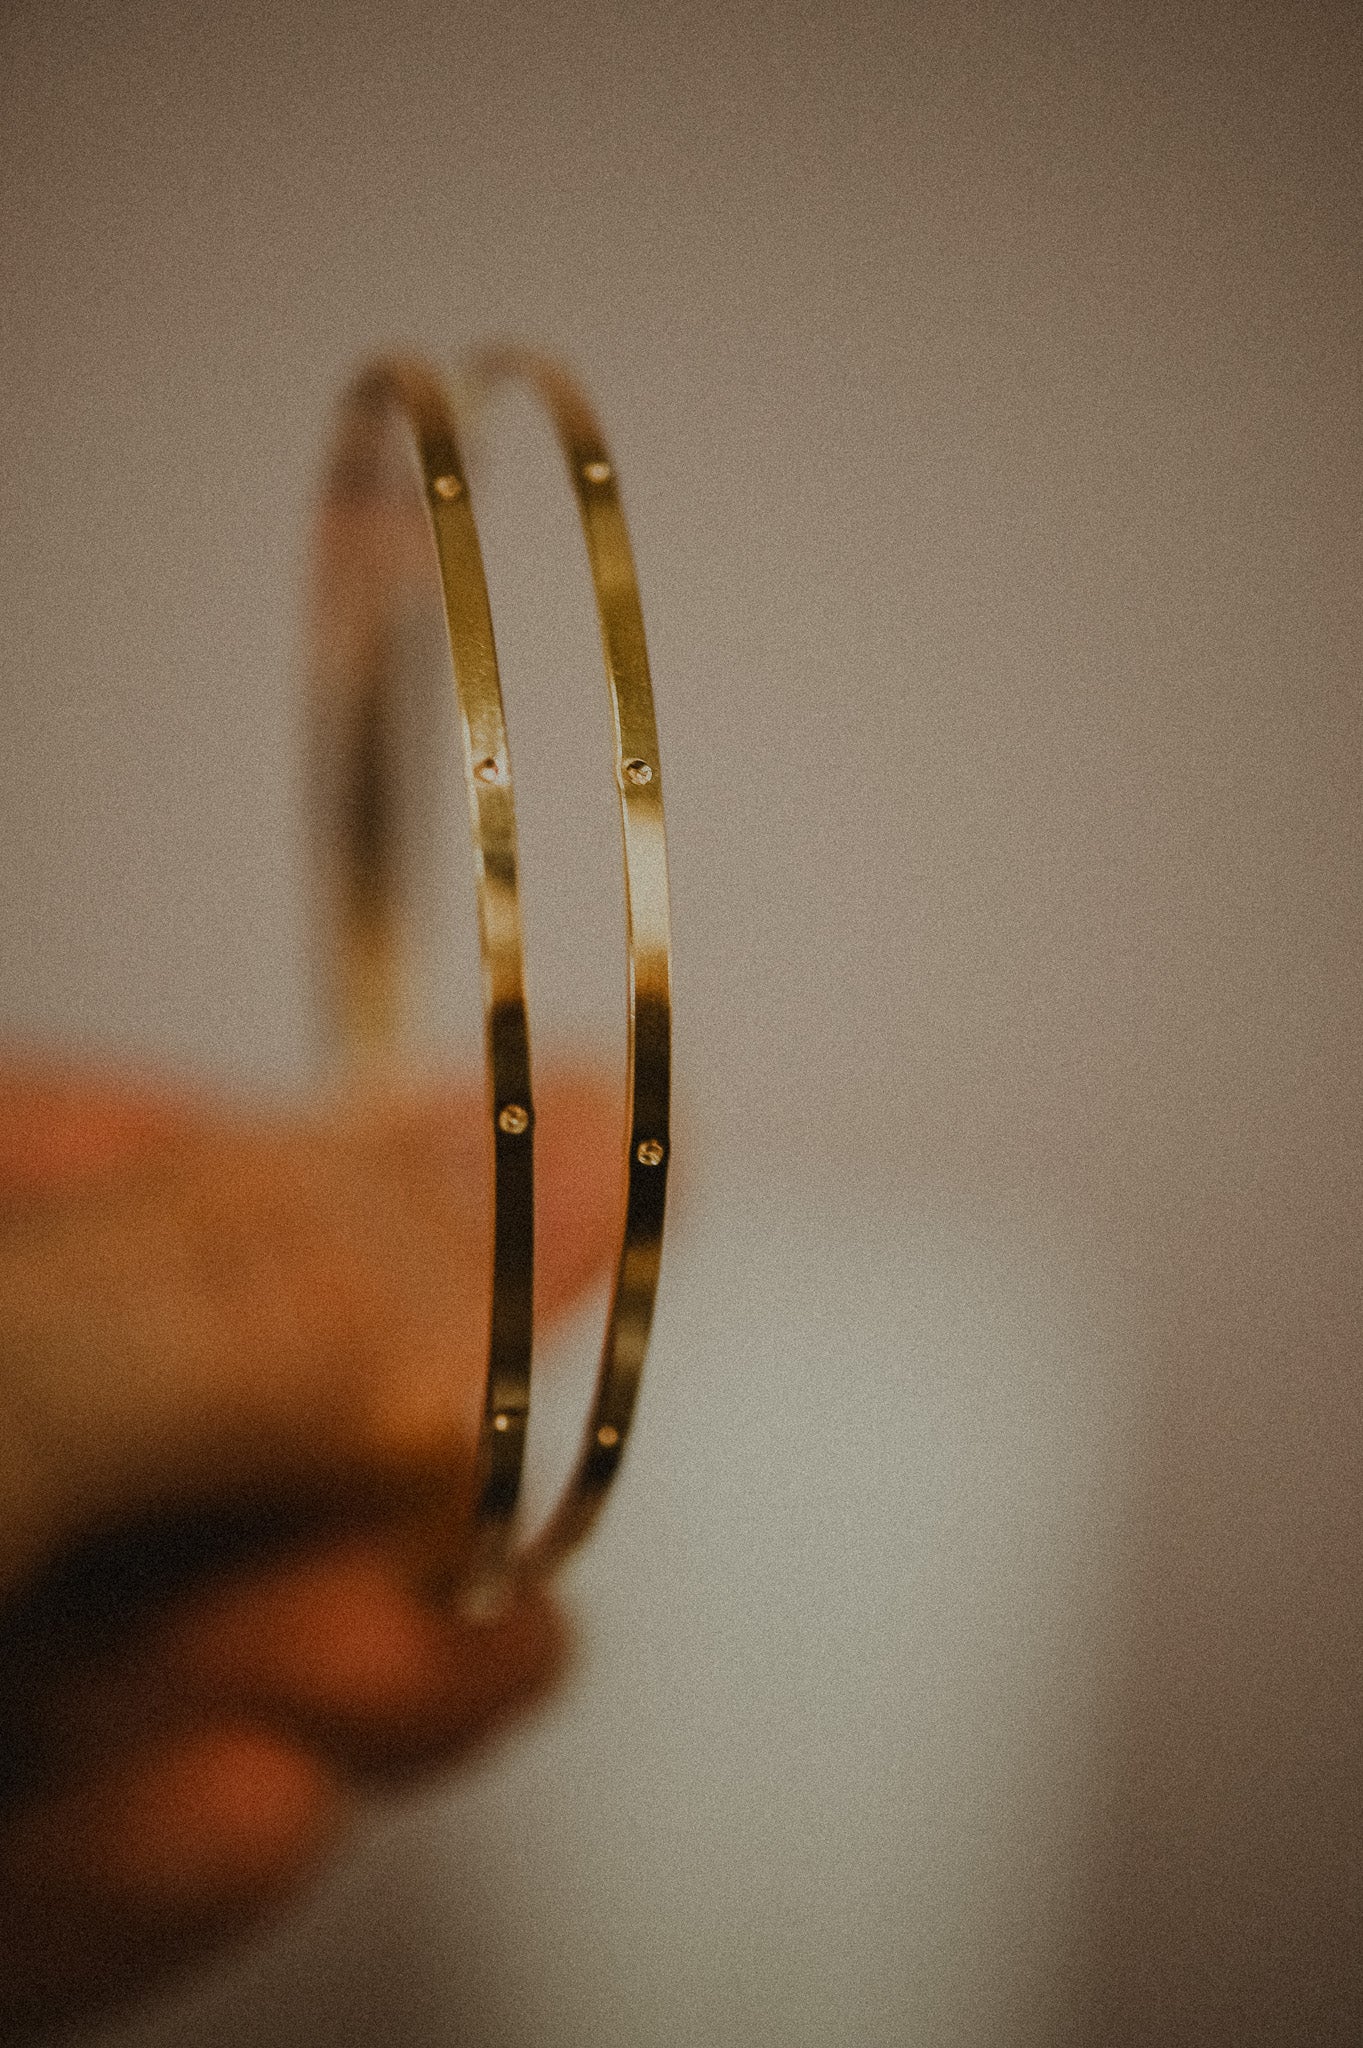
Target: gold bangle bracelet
{"x": 373, "y": 536}
{"x": 649, "y": 1042}
{"x": 359, "y": 825}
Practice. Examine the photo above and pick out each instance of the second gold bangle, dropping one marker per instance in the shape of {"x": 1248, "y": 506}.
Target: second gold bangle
{"x": 368, "y": 527}
{"x": 638, "y": 778}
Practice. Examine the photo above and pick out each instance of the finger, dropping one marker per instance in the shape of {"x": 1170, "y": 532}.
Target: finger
{"x": 339, "y": 1647}
{"x": 61, "y": 1125}
{"x": 203, "y": 1773}
{"x": 278, "y": 1304}
{"x": 145, "y": 1867}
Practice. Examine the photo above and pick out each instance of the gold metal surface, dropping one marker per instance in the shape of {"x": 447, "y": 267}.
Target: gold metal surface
{"x": 375, "y": 551}
{"x": 649, "y": 1054}
{"x": 355, "y": 715}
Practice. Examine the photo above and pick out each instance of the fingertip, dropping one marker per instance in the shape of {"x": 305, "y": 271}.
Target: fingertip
{"x": 512, "y": 1652}
{"x": 223, "y": 1820}
{"x": 490, "y": 1670}
{"x": 343, "y": 1648}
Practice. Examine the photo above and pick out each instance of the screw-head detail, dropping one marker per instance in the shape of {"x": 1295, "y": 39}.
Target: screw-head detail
{"x": 446, "y": 487}
{"x": 597, "y": 472}
{"x": 513, "y": 1120}
{"x": 608, "y": 1436}
{"x": 488, "y": 769}
{"x": 638, "y": 772}
{"x": 650, "y": 1153}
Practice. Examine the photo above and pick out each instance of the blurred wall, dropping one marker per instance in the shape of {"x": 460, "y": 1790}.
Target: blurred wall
{"x": 985, "y": 383}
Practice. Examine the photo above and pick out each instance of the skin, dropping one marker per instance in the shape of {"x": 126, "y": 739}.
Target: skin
{"x": 240, "y": 1368}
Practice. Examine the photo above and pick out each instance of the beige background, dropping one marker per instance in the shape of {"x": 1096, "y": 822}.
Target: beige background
{"x": 975, "y": 1652}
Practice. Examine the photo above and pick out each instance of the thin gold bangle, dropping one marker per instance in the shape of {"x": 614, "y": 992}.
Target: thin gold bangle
{"x": 638, "y": 778}
{"x": 355, "y": 744}
{"x": 361, "y": 832}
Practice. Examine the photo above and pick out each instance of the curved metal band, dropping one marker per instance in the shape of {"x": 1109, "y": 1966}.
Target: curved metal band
{"x": 639, "y": 784}
{"x": 355, "y": 724}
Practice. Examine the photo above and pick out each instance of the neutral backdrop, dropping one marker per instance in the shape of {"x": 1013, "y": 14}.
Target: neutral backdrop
{"x": 973, "y": 1655}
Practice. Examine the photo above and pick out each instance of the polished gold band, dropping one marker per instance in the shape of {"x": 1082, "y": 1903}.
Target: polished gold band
{"x": 362, "y": 836}
{"x": 367, "y": 512}
{"x": 638, "y": 777}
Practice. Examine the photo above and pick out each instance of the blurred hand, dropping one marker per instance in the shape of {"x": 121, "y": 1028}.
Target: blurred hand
{"x": 240, "y": 1360}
